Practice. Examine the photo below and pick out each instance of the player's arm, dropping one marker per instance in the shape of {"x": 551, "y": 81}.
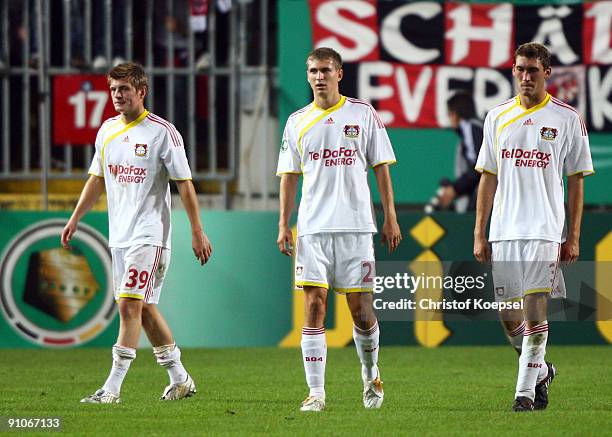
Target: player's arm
{"x": 94, "y": 187}
{"x": 484, "y": 203}
{"x": 202, "y": 249}
{"x": 288, "y": 190}
{"x": 570, "y": 250}
{"x": 391, "y": 234}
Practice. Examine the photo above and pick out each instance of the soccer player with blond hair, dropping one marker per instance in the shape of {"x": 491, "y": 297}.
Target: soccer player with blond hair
{"x": 136, "y": 154}
{"x": 332, "y": 142}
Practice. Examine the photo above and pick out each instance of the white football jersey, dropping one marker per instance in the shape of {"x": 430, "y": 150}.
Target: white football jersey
{"x": 137, "y": 160}
{"x": 333, "y": 150}
{"x": 530, "y": 150}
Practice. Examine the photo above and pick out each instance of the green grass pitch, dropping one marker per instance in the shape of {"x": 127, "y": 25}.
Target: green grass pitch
{"x": 444, "y": 391}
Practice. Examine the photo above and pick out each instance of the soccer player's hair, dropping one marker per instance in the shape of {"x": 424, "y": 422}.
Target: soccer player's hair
{"x": 133, "y": 72}
{"x": 462, "y": 104}
{"x": 324, "y": 53}
{"x": 534, "y": 50}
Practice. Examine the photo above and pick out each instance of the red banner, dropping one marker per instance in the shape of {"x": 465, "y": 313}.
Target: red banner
{"x": 407, "y": 59}
{"x": 80, "y": 104}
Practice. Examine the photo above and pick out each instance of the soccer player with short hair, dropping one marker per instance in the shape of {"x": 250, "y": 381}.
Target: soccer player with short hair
{"x": 530, "y": 142}
{"x": 332, "y": 142}
{"x": 136, "y": 154}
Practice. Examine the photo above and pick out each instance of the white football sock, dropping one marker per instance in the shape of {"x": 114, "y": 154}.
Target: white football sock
{"x": 314, "y": 352}
{"x": 531, "y": 361}
{"x": 366, "y": 343}
{"x": 543, "y": 373}
{"x": 515, "y": 337}
{"x": 122, "y": 358}
{"x": 169, "y": 357}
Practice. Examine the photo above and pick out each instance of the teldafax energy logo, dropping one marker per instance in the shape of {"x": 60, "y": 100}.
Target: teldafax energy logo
{"x": 52, "y": 296}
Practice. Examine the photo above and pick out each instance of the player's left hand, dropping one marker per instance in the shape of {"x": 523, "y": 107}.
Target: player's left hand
{"x": 570, "y": 250}
{"x": 202, "y": 249}
{"x": 391, "y": 235}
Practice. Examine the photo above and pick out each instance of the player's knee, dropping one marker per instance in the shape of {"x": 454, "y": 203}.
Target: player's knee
{"x": 535, "y": 306}
{"x": 315, "y": 306}
{"x": 362, "y": 312}
{"x": 357, "y": 312}
{"x": 130, "y": 309}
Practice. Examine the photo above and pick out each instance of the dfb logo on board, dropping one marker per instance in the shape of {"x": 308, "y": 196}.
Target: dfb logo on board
{"x": 54, "y": 297}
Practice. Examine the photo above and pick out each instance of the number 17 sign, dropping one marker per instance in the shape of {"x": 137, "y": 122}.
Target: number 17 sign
{"x": 80, "y": 104}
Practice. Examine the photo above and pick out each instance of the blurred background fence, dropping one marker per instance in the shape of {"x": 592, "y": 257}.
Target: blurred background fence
{"x": 228, "y": 73}
{"x": 212, "y": 73}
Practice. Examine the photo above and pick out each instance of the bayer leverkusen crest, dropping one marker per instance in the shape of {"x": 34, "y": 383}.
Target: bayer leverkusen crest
{"x": 351, "y": 130}
{"x": 140, "y": 150}
{"x": 548, "y": 133}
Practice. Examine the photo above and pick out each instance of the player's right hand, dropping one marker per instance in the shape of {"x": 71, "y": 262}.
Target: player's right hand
{"x": 482, "y": 250}
{"x": 285, "y": 240}
{"x": 67, "y": 234}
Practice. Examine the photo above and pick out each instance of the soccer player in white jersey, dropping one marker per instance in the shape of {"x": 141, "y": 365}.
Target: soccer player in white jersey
{"x": 332, "y": 142}
{"x": 530, "y": 143}
{"x": 136, "y": 154}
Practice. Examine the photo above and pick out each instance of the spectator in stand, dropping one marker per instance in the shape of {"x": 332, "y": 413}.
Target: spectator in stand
{"x": 101, "y": 61}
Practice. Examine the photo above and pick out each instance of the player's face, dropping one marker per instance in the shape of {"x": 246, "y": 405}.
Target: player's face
{"x": 126, "y": 99}
{"x": 323, "y": 76}
{"x": 530, "y": 76}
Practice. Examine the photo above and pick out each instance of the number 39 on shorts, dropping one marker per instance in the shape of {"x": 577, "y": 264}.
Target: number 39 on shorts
{"x": 135, "y": 278}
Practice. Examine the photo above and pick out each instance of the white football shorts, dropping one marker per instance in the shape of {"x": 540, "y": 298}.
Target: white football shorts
{"x": 342, "y": 261}
{"x": 139, "y": 272}
{"x": 522, "y": 267}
